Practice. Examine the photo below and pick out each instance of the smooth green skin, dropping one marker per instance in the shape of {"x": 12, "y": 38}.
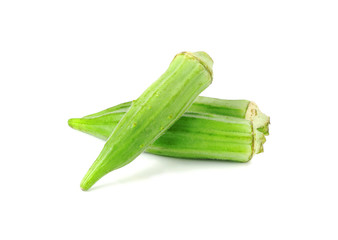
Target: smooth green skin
{"x": 153, "y": 113}
{"x": 194, "y": 135}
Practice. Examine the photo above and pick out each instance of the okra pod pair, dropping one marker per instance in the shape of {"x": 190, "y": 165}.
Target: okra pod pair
{"x": 157, "y": 122}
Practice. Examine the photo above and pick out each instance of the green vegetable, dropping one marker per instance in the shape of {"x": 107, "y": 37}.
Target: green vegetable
{"x": 199, "y": 133}
{"x": 153, "y": 113}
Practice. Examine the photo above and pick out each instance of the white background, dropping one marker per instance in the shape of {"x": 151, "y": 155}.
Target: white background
{"x": 63, "y": 59}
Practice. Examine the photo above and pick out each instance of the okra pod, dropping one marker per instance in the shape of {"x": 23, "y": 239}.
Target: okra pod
{"x": 162, "y": 104}
{"x": 198, "y": 133}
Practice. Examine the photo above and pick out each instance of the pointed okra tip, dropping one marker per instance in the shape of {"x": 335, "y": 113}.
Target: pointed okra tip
{"x": 94, "y": 174}
{"x": 87, "y": 182}
{"x": 72, "y": 122}
{"x": 84, "y": 188}
{"x": 77, "y": 124}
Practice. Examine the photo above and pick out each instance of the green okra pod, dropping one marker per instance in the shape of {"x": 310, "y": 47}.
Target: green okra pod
{"x": 153, "y": 113}
{"x": 199, "y": 133}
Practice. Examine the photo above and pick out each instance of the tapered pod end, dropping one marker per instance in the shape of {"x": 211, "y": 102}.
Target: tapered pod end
{"x": 74, "y": 123}
{"x": 84, "y": 187}
{"x": 102, "y": 165}
{"x": 88, "y": 181}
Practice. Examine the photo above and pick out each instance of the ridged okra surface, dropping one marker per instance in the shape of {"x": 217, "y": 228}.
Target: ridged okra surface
{"x": 194, "y": 135}
{"x": 153, "y": 113}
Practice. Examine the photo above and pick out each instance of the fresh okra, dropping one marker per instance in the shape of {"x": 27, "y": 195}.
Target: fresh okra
{"x": 159, "y": 107}
{"x": 235, "y": 133}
